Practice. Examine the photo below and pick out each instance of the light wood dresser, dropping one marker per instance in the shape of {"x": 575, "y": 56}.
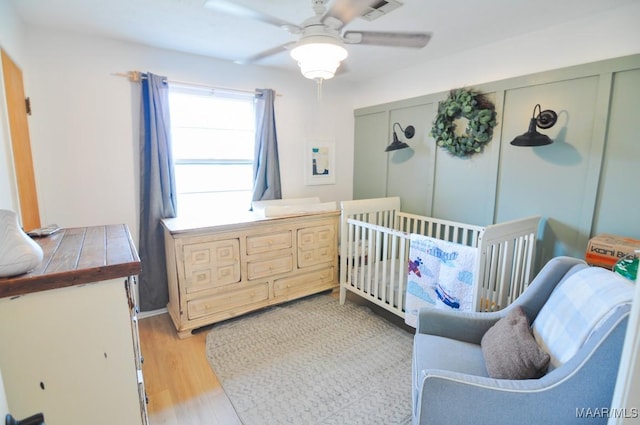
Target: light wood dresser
{"x": 69, "y": 331}
{"x": 224, "y": 268}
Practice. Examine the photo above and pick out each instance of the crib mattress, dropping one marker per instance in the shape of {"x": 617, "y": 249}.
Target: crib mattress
{"x": 385, "y": 280}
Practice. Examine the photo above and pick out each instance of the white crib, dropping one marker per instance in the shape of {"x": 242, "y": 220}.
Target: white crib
{"x": 374, "y": 250}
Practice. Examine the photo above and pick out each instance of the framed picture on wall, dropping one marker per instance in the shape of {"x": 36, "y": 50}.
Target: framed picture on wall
{"x": 319, "y": 162}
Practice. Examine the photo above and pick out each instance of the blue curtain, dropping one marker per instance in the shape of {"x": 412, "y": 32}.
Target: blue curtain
{"x": 157, "y": 191}
{"x": 266, "y": 165}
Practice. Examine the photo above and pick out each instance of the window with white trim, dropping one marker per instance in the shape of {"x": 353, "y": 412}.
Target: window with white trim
{"x": 212, "y": 135}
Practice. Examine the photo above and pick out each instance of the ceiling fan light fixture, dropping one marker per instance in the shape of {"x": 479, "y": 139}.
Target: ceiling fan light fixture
{"x": 319, "y": 56}
{"x": 320, "y": 47}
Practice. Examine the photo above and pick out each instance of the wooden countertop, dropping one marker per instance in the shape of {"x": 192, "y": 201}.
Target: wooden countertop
{"x": 77, "y": 256}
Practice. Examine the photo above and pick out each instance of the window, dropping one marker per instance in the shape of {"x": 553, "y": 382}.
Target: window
{"x": 213, "y": 142}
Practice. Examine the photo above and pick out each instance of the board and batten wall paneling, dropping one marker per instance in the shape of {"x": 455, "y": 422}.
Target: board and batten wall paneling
{"x": 617, "y": 209}
{"x": 410, "y": 171}
{"x": 465, "y": 188}
{"x": 551, "y": 180}
{"x": 580, "y": 184}
{"x": 370, "y": 160}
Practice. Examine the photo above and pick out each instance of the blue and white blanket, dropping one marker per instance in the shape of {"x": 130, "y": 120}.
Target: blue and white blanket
{"x": 441, "y": 275}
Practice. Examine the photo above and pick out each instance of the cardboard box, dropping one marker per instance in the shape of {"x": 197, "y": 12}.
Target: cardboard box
{"x": 605, "y": 250}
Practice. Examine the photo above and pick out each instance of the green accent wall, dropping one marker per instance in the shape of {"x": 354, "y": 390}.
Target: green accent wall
{"x": 617, "y": 204}
{"x": 585, "y": 183}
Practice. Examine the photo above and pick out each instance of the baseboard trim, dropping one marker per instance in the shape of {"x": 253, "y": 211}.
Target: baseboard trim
{"x": 152, "y": 313}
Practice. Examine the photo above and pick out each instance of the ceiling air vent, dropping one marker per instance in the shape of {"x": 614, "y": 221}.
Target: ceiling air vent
{"x": 380, "y": 8}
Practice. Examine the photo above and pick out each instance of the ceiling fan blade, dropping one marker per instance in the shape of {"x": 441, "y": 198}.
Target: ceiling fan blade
{"x": 415, "y": 40}
{"x": 230, "y": 7}
{"x": 346, "y": 11}
{"x": 265, "y": 54}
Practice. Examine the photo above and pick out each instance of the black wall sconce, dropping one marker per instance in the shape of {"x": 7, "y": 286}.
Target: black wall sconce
{"x": 545, "y": 119}
{"x": 409, "y": 132}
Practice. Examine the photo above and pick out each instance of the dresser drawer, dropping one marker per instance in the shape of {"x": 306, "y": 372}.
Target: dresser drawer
{"x": 318, "y": 255}
{"x": 306, "y": 283}
{"x": 227, "y": 301}
{"x": 269, "y": 242}
{"x": 312, "y": 236}
{"x": 211, "y": 264}
{"x": 316, "y": 245}
{"x": 258, "y": 269}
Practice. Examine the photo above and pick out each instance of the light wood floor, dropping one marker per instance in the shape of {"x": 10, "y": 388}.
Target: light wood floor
{"x": 181, "y": 387}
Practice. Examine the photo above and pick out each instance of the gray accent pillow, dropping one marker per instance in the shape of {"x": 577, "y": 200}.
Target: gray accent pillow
{"x": 510, "y": 351}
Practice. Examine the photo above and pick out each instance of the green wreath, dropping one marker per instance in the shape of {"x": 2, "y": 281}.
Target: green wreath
{"x": 480, "y": 112}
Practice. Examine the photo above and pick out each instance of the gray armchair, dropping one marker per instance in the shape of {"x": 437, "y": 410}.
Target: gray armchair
{"x": 451, "y": 384}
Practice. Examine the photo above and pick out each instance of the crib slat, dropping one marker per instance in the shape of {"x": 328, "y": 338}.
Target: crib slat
{"x": 517, "y": 274}
{"x": 505, "y": 274}
{"x": 368, "y": 275}
{"x": 385, "y": 259}
{"x": 378, "y": 257}
{"x": 387, "y": 272}
{"x": 492, "y": 276}
{"x": 359, "y": 257}
{"x": 402, "y": 273}
{"x": 350, "y": 262}
{"x": 354, "y": 258}
{"x": 394, "y": 252}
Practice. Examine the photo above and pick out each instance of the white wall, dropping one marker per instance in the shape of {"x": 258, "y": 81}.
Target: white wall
{"x": 85, "y": 121}
{"x": 11, "y": 41}
{"x": 605, "y": 35}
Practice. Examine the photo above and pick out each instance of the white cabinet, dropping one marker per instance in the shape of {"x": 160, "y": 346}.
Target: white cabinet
{"x": 72, "y": 351}
{"x": 216, "y": 272}
{"x": 68, "y": 353}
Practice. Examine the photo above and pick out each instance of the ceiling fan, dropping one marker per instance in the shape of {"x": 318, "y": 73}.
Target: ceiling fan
{"x": 321, "y": 44}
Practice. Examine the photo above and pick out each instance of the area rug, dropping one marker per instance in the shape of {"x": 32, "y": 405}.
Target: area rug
{"x": 316, "y": 362}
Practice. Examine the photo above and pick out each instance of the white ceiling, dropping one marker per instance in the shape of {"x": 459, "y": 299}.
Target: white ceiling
{"x": 187, "y": 26}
